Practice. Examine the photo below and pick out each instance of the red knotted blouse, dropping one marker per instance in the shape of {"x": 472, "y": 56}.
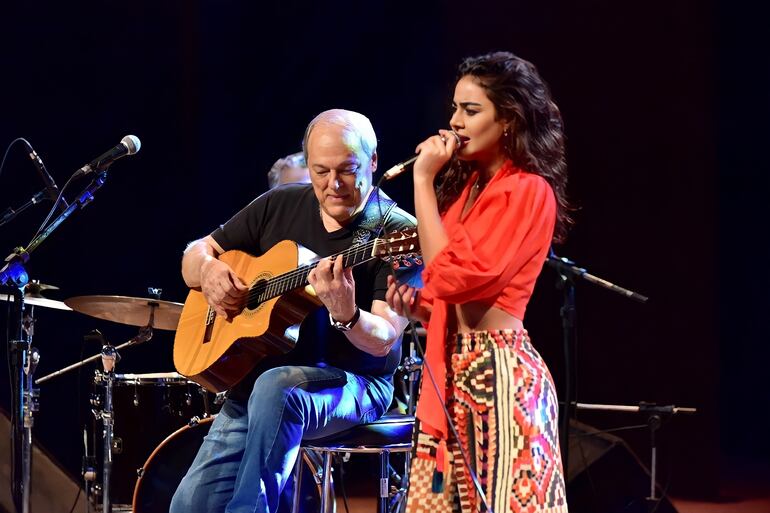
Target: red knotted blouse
{"x": 493, "y": 256}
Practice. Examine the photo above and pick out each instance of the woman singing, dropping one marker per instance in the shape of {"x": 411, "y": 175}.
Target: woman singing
{"x": 490, "y": 198}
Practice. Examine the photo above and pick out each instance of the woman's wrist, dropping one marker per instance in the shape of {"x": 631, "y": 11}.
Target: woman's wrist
{"x": 423, "y": 182}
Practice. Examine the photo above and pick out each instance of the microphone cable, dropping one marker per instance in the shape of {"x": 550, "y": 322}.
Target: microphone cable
{"x": 421, "y": 352}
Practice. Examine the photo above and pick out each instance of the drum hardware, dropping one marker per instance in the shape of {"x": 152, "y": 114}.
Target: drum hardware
{"x": 127, "y": 311}
{"x": 26, "y": 396}
{"x": 134, "y": 311}
{"x": 145, "y": 334}
{"x": 124, "y": 310}
{"x": 88, "y": 470}
{"x": 110, "y": 358}
{"x": 33, "y": 296}
{"x": 146, "y": 409}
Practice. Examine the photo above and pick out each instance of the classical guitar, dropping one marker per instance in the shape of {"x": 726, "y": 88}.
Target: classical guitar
{"x": 217, "y": 352}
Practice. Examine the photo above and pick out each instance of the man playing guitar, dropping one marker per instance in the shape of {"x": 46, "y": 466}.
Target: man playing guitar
{"x": 339, "y": 373}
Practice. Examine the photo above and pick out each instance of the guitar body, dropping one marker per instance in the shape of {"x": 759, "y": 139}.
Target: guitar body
{"x": 217, "y": 353}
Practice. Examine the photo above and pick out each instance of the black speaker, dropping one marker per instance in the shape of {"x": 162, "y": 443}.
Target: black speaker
{"x": 605, "y": 476}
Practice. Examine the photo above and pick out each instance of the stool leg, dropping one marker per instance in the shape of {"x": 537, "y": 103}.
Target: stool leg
{"x": 297, "y": 483}
{"x": 382, "y": 501}
{"x": 327, "y": 480}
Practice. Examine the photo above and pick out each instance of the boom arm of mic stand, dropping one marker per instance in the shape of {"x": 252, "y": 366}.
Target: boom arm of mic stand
{"x": 14, "y": 263}
{"x": 11, "y": 213}
{"x": 145, "y": 334}
{"x": 568, "y": 268}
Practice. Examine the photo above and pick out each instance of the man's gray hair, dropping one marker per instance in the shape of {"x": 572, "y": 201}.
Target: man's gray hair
{"x": 293, "y": 160}
{"x": 349, "y": 121}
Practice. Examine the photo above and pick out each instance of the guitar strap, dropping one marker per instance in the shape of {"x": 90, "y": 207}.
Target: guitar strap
{"x": 371, "y": 222}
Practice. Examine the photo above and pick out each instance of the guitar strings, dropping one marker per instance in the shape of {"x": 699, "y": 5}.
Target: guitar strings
{"x": 300, "y": 274}
{"x": 261, "y": 290}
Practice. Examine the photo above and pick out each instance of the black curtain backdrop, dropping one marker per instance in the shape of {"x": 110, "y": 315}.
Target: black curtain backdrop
{"x": 665, "y": 106}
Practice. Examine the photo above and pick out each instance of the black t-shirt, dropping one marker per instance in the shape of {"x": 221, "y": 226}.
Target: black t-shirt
{"x": 292, "y": 212}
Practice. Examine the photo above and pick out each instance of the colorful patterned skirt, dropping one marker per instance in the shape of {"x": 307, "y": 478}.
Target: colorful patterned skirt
{"x": 503, "y": 403}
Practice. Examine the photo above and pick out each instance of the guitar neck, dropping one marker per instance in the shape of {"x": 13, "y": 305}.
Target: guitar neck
{"x": 278, "y": 285}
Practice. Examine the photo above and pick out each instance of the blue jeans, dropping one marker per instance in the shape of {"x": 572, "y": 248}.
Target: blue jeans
{"x": 247, "y": 457}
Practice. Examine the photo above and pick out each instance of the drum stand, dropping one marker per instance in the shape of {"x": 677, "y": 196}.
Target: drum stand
{"x": 109, "y": 357}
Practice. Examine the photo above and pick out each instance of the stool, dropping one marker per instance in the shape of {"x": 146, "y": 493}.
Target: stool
{"x": 391, "y": 433}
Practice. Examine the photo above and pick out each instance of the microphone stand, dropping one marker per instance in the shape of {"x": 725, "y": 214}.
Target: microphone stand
{"x": 145, "y": 334}
{"x": 13, "y": 278}
{"x": 655, "y": 415}
{"x": 17, "y": 354}
{"x": 568, "y": 273}
{"x": 10, "y": 213}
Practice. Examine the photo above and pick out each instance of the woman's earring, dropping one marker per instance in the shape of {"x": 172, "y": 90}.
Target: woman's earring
{"x": 507, "y": 143}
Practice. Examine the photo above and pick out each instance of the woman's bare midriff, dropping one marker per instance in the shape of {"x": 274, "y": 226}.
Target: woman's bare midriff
{"x": 479, "y": 317}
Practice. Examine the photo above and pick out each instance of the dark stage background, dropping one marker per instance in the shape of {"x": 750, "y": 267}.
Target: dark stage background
{"x": 665, "y": 104}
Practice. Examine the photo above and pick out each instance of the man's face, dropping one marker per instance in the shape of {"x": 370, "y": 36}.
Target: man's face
{"x": 340, "y": 171}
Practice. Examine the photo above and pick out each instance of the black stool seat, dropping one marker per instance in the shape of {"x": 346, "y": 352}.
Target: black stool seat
{"x": 392, "y": 432}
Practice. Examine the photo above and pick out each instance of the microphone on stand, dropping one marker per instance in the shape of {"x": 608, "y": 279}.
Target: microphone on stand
{"x": 129, "y": 145}
{"x": 403, "y": 166}
{"x": 51, "y": 190}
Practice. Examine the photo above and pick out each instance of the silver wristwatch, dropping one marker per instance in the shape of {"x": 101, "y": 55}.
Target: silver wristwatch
{"x": 346, "y": 326}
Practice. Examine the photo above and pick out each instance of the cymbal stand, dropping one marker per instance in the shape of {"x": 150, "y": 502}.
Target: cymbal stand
{"x": 30, "y": 401}
{"x": 23, "y": 360}
{"x": 110, "y": 358}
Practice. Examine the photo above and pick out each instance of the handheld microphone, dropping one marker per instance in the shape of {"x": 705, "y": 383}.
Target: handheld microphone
{"x": 50, "y": 186}
{"x": 403, "y": 166}
{"x": 129, "y": 145}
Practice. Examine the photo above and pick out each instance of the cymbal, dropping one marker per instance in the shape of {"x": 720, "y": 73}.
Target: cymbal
{"x": 134, "y": 311}
{"x": 38, "y": 301}
{"x": 34, "y": 289}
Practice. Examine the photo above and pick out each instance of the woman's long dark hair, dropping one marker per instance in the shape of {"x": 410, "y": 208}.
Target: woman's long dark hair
{"x": 535, "y": 142}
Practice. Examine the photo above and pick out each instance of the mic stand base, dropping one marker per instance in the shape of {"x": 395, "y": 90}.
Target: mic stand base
{"x": 655, "y": 415}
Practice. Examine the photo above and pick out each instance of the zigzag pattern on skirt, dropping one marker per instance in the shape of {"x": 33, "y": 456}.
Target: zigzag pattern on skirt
{"x": 503, "y": 403}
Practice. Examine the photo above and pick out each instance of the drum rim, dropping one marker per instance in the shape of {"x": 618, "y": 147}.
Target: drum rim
{"x": 151, "y": 378}
{"x": 155, "y": 451}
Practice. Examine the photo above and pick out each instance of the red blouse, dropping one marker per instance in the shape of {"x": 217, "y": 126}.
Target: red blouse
{"x": 493, "y": 256}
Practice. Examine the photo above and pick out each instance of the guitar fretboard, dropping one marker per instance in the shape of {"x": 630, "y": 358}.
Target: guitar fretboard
{"x": 265, "y": 290}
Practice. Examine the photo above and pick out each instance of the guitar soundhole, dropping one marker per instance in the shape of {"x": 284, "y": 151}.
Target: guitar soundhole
{"x": 257, "y": 295}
